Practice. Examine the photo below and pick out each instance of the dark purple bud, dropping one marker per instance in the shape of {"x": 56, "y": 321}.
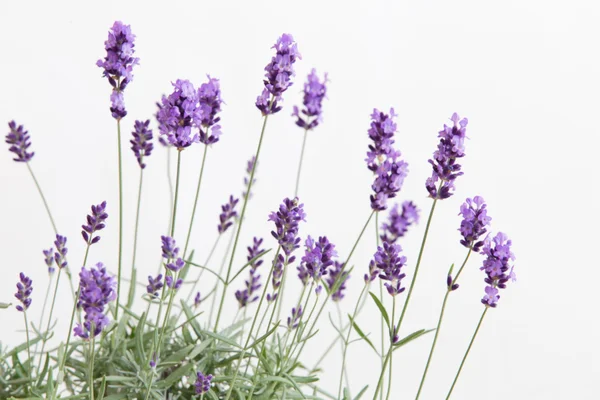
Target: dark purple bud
{"x": 19, "y": 141}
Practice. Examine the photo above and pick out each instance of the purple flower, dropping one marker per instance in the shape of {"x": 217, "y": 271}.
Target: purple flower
{"x": 209, "y": 96}
{"x": 294, "y": 319}
{"x": 141, "y": 144}
{"x": 95, "y": 223}
{"x": 118, "y": 64}
{"x": 389, "y": 262}
{"x": 249, "y": 166}
{"x": 278, "y": 265}
{"x": 336, "y": 280}
{"x": 475, "y": 219}
{"x": 373, "y": 272}
{"x": 247, "y": 296}
{"x": 24, "y": 290}
{"x": 286, "y": 224}
{"x": 197, "y": 299}
{"x": 175, "y": 266}
{"x": 154, "y": 285}
{"x": 227, "y": 215}
{"x": 202, "y": 383}
{"x": 314, "y": 92}
{"x": 169, "y": 248}
{"x": 173, "y": 284}
{"x": 49, "y": 259}
{"x": 383, "y": 160}
{"x": 318, "y": 256}
{"x": 97, "y": 289}
{"x": 398, "y": 223}
{"x": 497, "y": 267}
{"x": 279, "y": 73}
{"x": 445, "y": 168}
{"x": 19, "y": 141}
{"x": 60, "y": 256}
{"x": 176, "y": 115}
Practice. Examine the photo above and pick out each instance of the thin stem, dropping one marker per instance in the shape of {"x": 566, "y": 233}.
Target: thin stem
{"x": 241, "y": 220}
{"x": 389, "y": 390}
{"x": 344, "y": 369}
{"x": 50, "y": 316}
{"x": 28, "y": 347}
{"x": 170, "y": 180}
{"x": 466, "y": 353}
{"x": 300, "y": 163}
{"x": 189, "y": 234}
{"x": 92, "y": 352}
{"x": 37, "y": 185}
{"x": 137, "y": 222}
{"x": 174, "y": 214}
{"x": 439, "y": 324}
{"x": 381, "y": 321}
{"x": 48, "y": 288}
{"x": 223, "y": 261}
{"x": 120, "y": 218}
{"x": 380, "y": 381}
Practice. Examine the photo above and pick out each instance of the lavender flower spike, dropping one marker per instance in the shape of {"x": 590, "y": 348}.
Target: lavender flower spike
{"x": 60, "y": 256}
{"x": 169, "y": 248}
{"x": 337, "y": 276}
{"x": 118, "y": 65}
{"x": 286, "y": 220}
{"x": 209, "y": 96}
{"x": 227, "y": 215}
{"x": 141, "y": 144}
{"x": 202, "y": 383}
{"x": 177, "y": 113}
{"x": 390, "y": 263}
{"x": 97, "y": 290}
{"x": 294, "y": 319}
{"x": 24, "y": 289}
{"x": 154, "y": 285}
{"x": 19, "y": 141}
{"x": 95, "y": 223}
{"x": 247, "y": 296}
{"x": 398, "y": 223}
{"x": 497, "y": 267}
{"x": 197, "y": 300}
{"x": 173, "y": 284}
{"x": 249, "y": 167}
{"x": 314, "y": 92}
{"x": 475, "y": 219}
{"x": 279, "y": 73}
{"x": 445, "y": 168}
{"x": 49, "y": 259}
{"x": 318, "y": 256}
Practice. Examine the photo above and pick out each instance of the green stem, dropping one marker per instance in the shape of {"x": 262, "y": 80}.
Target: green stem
{"x": 174, "y": 218}
{"x": 380, "y": 381}
{"x": 300, "y": 163}
{"x": 50, "y": 317}
{"x": 223, "y": 261}
{"x": 120, "y": 219}
{"x": 29, "y": 367}
{"x": 170, "y": 180}
{"x": 389, "y": 389}
{"x": 92, "y": 352}
{"x": 381, "y": 321}
{"x": 344, "y": 369}
{"x": 241, "y": 220}
{"x": 137, "y": 222}
{"x": 37, "y": 185}
{"x": 48, "y": 288}
{"x": 462, "y": 363}
{"x": 189, "y": 234}
{"x": 439, "y": 324}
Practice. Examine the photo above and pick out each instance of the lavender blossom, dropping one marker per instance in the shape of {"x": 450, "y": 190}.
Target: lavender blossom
{"x": 95, "y": 223}
{"x": 118, "y": 64}
{"x": 336, "y": 280}
{"x": 389, "y": 262}
{"x": 19, "y": 141}
{"x": 97, "y": 289}
{"x": 314, "y": 92}
{"x": 373, "y": 272}
{"x": 475, "y": 219}
{"x": 49, "y": 259}
{"x": 318, "y": 256}
{"x": 278, "y": 265}
{"x": 249, "y": 166}
{"x": 248, "y": 295}
{"x": 445, "y": 167}
{"x": 227, "y": 215}
{"x": 173, "y": 284}
{"x": 197, "y": 300}
{"x": 24, "y": 289}
{"x": 169, "y": 248}
{"x": 141, "y": 144}
{"x": 303, "y": 274}
{"x": 154, "y": 285}
{"x": 286, "y": 223}
{"x": 278, "y": 76}
{"x": 209, "y": 96}
{"x": 60, "y": 256}
{"x": 398, "y": 223}
{"x": 202, "y": 383}
{"x": 497, "y": 267}
{"x": 175, "y": 266}
{"x": 294, "y": 319}
{"x": 176, "y": 115}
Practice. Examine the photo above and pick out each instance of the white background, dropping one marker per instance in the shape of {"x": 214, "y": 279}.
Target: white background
{"x": 525, "y": 73}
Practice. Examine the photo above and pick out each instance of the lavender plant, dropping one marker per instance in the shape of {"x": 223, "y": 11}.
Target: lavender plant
{"x": 155, "y": 352}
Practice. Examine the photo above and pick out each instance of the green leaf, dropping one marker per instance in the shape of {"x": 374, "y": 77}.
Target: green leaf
{"x": 263, "y": 337}
{"x": 5, "y": 305}
{"x": 188, "y": 262}
{"x": 199, "y": 348}
{"x": 382, "y": 310}
{"x": 131, "y": 294}
{"x": 223, "y": 339}
{"x": 361, "y": 334}
{"x": 359, "y": 395}
{"x": 190, "y": 316}
{"x": 295, "y": 385}
{"x": 186, "y": 267}
{"x": 411, "y": 337}
{"x": 251, "y": 261}
{"x": 21, "y": 347}
{"x": 103, "y": 385}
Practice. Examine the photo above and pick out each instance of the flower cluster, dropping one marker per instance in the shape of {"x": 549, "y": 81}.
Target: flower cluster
{"x": 318, "y": 257}
{"x": 227, "y": 215}
{"x": 247, "y": 296}
{"x": 209, "y": 98}
{"x": 475, "y": 219}
{"x": 497, "y": 267}
{"x": 202, "y": 383}
{"x": 173, "y": 262}
{"x": 249, "y": 167}
{"x": 60, "y": 256}
{"x": 118, "y": 64}
{"x": 49, "y": 259}
{"x": 154, "y": 285}
{"x": 445, "y": 168}
{"x": 141, "y": 144}
{"x": 19, "y": 141}
{"x": 336, "y": 280}
{"x": 24, "y": 289}
{"x": 97, "y": 289}
{"x": 390, "y": 263}
{"x": 278, "y": 265}
{"x": 286, "y": 220}
{"x": 197, "y": 299}
{"x": 372, "y": 273}
{"x": 169, "y": 248}
{"x": 398, "y": 223}
{"x": 279, "y": 73}
{"x": 95, "y": 223}
{"x": 384, "y": 160}
{"x": 176, "y": 115}
{"x": 294, "y": 319}
{"x": 314, "y": 92}
{"x": 174, "y": 284}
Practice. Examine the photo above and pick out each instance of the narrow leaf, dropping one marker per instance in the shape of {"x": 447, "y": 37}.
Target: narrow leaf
{"x": 382, "y": 310}
{"x": 411, "y": 337}
{"x": 361, "y": 334}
